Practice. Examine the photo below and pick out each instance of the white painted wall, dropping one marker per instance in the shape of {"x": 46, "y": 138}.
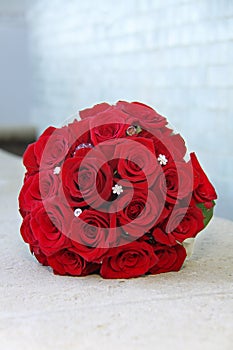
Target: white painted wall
{"x": 15, "y": 95}
{"x": 176, "y": 55}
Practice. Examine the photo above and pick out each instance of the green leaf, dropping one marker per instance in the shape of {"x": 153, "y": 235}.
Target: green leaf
{"x": 139, "y": 129}
{"x": 207, "y": 213}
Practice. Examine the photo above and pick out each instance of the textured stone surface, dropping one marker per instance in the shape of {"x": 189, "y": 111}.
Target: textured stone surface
{"x": 191, "y": 309}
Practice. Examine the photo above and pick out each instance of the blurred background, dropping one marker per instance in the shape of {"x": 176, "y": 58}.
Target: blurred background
{"x": 60, "y": 56}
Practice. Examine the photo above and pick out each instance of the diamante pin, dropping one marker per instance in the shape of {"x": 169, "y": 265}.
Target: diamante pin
{"x": 84, "y": 145}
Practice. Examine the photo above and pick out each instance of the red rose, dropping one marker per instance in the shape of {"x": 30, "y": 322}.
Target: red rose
{"x": 29, "y": 159}
{"x": 183, "y": 223}
{"x": 29, "y": 195}
{"x": 26, "y": 231}
{"x": 41, "y": 257}
{"x": 79, "y": 132}
{"x": 68, "y": 262}
{"x": 108, "y": 125}
{"x": 91, "y": 112}
{"x": 139, "y": 214}
{"x": 48, "y": 151}
{"x": 176, "y": 181}
{"x": 52, "y": 151}
{"x": 170, "y": 145}
{"x": 34, "y": 151}
{"x": 49, "y": 184}
{"x": 40, "y": 144}
{"x": 91, "y": 234}
{"x": 42, "y": 185}
{"x": 143, "y": 115}
{"x": 131, "y": 260}
{"x": 50, "y": 223}
{"x": 204, "y": 192}
{"x": 169, "y": 258}
{"x": 137, "y": 162}
{"x": 87, "y": 181}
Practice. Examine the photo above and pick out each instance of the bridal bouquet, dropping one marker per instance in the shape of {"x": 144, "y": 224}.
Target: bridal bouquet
{"x": 113, "y": 193}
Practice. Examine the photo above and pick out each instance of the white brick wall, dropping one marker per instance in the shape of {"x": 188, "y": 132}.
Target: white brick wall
{"x": 176, "y": 55}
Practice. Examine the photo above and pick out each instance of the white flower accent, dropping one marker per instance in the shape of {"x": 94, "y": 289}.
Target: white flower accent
{"x": 57, "y": 170}
{"x": 162, "y": 159}
{"x": 117, "y": 189}
{"x": 77, "y": 212}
